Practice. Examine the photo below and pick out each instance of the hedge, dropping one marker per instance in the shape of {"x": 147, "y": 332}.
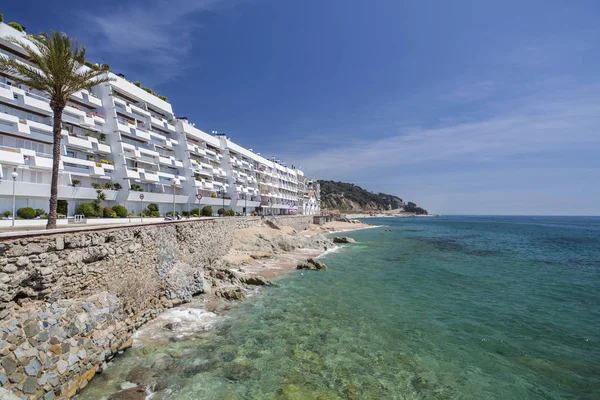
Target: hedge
{"x": 207, "y": 211}
{"x": 121, "y": 211}
{"x": 26, "y": 213}
{"x": 86, "y": 209}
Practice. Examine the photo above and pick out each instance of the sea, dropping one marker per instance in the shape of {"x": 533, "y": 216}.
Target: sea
{"x": 456, "y": 307}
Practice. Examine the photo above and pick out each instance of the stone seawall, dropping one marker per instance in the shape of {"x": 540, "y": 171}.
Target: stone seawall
{"x": 71, "y": 301}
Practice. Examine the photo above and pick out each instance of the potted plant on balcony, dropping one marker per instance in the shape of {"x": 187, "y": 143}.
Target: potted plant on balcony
{"x": 75, "y": 182}
{"x": 103, "y": 137}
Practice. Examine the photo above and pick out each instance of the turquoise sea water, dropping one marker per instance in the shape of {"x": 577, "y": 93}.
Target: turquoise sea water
{"x": 423, "y": 308}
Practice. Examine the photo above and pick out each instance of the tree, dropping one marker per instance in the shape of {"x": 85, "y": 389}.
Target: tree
{"x": 60, "y": 72}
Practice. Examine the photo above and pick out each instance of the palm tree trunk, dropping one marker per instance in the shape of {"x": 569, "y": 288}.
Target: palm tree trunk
{"x": 56, "y": 131}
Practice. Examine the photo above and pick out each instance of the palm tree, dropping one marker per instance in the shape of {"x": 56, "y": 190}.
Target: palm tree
{"x": 59, "y": 72}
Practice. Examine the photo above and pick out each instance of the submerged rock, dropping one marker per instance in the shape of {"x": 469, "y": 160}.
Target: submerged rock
{"x": 311, "y": 263}
{"x": 343, "y": 239}
{"x": 136, "y": 393}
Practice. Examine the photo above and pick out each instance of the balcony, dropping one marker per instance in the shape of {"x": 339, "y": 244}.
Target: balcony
{"x": 88, "y": 98}
{"x": 28, "y": 189}
{"x": 157, "y": 197}
{"x": 11, "y": 156}
{"x": 26, "y": 99}
{"x": 76, "y": 116}
{"x": 77, "y": 142}
{"x": 148, "y": 176}
{"x": 12, "y": 124}
{"x": 132, "y": 173}
{"x": 212, "y": 201}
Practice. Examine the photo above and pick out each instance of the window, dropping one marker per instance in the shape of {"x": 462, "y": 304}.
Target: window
{"x": 70, "y": 153}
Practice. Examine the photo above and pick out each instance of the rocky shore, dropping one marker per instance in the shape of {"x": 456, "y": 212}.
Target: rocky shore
{"x": 70, "y": 303}
{"x": 258, "y": 257}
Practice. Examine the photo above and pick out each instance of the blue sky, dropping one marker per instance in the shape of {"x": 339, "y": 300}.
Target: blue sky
{"x": 472, "y": 107}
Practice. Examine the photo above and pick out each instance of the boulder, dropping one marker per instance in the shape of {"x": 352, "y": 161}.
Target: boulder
{"x": 231, "y": 293}
{"x": 136, "y": 393}
{"x": 312, "y": 264}
{"x": 343, "y": 239}
{"x": 255, "y": 280}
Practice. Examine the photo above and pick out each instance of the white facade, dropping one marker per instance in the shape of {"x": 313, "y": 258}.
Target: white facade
{"x": 128, "y": 142}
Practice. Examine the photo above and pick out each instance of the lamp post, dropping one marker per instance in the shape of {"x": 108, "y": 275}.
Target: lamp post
{"x": 174, "y": 183}
{"x": 14, "y": 176}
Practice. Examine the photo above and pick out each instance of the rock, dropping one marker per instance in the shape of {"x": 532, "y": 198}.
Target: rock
{"x": 343, "y": 239}
{"x": 60, "y": 243}
{"x": 272, "y": 224}
{"x": 312, "y": 264}
{"x": 7, "y": 395}
{"x": 255, "y": 280}
{"x": 31, "y": 329}
{"x": 62, "y": 366}
{"x": 34, "y": 367}
{"x": 231, "y": 293}
{"x": 170, "y": 326}
{"x": 9, "y": 364}
{"x": 29, "y": 385}
{"x": 22, "y": 262}
{"x": 140, "y": 375}
{"x": 72, "y": 359}
{"x": 136, "y": 393}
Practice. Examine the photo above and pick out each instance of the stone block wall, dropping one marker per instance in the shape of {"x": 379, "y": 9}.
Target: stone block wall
{"x": 71, "y": 301}
{"x": 298, "y": 223}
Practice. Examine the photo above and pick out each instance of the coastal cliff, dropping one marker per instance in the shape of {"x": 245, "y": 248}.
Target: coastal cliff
{"x": 71, "y": 301}
{"x": 347, "y": 197}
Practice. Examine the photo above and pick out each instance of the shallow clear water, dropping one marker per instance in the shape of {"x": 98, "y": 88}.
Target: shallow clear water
{"x": 425, "y": 308}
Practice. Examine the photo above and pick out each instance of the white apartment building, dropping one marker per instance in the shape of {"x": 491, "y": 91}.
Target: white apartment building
{"x": 122, "y": 140}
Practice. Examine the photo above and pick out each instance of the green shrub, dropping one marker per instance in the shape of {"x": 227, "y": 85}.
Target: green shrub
{"x": 163, "y": 98}
{"x": 26, "y": 213}
{"x": 147, "y": 212}
{"x": 1, "y": 17}
{"x": 108, "y": 186}
{"x": 96, "y": 185}
{"x": 230, "y": 213}
{"x": 62, "y": 207}
{"x": 195, "y": 211}
{"x": 117, "y": 186}
{"x": 207, "y": 211}
{"x": 103, "y": 137}
{"x": 221, "y": 211}
{"x": 6, "y": 214}
{"x": 185, "y": 213}
{"x": 138, "y": 84}
{"x": 75, "y": 182}
{"x": 121, "y": 211}
{"x": 86, "y": 209}
{"x": 152, "y": 207}
{"x": 39, "y": 212}
{"x": 171, "y": 212}
{"x": 109, "y": 213}
{"x": 16, "y": 25}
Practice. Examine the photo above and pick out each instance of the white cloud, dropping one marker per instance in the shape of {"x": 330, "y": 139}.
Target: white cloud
{"x": 155, "y": 36}
{"x": 554, "y": 121}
